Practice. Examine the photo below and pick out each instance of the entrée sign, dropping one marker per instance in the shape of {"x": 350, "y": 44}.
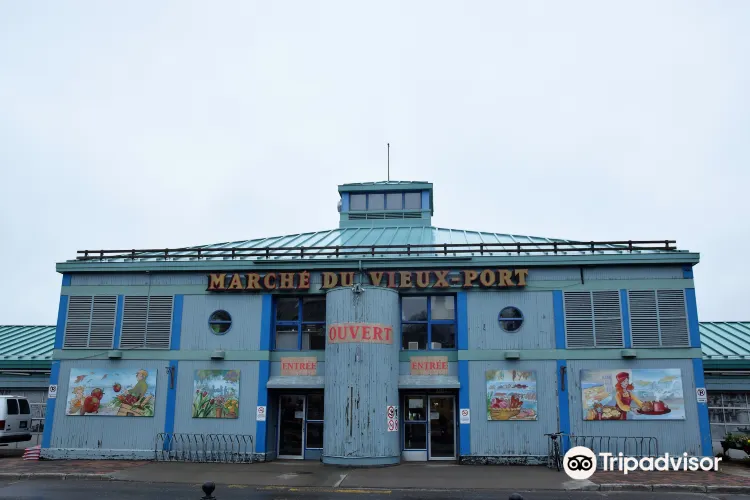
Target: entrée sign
{"x": 467, "y": 278}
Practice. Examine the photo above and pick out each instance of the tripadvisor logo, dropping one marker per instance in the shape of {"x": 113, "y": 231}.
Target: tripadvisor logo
{"x": 580, "y": 463}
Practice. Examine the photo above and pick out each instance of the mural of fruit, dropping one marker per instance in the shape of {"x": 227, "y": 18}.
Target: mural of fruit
{"x": 117, "y": 387}
{"x": 97, "y": 393}
{"x": 90, "y": 405}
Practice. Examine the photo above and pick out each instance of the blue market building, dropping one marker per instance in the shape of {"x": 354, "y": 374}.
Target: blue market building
{"x": 381, "y": 340}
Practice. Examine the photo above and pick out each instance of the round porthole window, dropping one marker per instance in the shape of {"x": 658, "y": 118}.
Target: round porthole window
{"x": 510, "y": 319}
{"x": 220, "y": 322}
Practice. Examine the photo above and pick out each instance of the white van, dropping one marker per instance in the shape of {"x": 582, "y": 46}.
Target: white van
{"x": 15, "y": 419}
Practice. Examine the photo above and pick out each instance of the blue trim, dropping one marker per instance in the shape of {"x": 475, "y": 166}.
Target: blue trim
{"x": 558, "y": 310}
{"x": 177, "y": 322}
{"x": 66, "y": 279}
{"x": 62, "y": 313}
{"x": 703, "y": 422}
{"x": 264, "y": 368}
{"x": 692, "y": 314}
{"x": 118, "y": 321}
{"x": 429, "y": 322}
{"x": 344, "y": 202}
{"x": 171, "y": 400}
{"x": 425, "y": 200}
{"x": 464, "y": 430}
{"x": 49, "y": 417}
{"x": 462, "y": 321}
{"x": 687, "y": 272}
{"x": 563, "y": 404}
{"x": 625, "y": 312}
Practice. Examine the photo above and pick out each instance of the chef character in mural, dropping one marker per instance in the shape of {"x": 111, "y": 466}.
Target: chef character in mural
{"x": 625, "y": 398}
{"x": 141, "y": 386}
{"x": 77, "y": 401}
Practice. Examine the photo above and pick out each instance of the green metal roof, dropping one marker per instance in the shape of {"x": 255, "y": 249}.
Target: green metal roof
{"x": 386, "y": 185}
{"x": 726, "y": 340}
{"x": 26, "y": 346}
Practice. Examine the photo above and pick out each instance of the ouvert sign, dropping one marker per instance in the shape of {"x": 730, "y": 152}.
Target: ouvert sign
{"x": 422, "y": 279}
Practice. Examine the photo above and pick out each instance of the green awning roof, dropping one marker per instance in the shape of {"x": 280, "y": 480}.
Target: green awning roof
{"x": 23, "y": 346}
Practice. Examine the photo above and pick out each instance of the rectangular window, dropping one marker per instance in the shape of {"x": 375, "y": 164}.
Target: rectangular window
{"x": 728, "y": 412}
{"x": 358, "y": 202}
{"x": 376, "y": 201}
{"x": 146, "y": 322}
{"x": 412, "y": 201}
{"x": 593, "y": 319}
{"x": 24, "y": 405}
{"x": 428, "y": 322}
{"x": 300, "y": 323}
{"x": 314, "y": 434}
{"x": 90, "y": 322}
{"x": 12, "y": 406}
{"x": 658, "y": 318}
{"x": 394, "y": 201}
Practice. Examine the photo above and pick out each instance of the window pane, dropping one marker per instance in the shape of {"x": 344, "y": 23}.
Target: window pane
{"x": 12, "y": 407}
{"x": 442, "y": 307}
{"x": 313, "y": 337}
{"x": 394, "y": 201}
{"x": 25, "y": 409}
{"x": 287, "y": 309}
{"x": 718, "y": 432}
{"x": 414, "y": 308}
{"x": 734, "y": 400}
{"x": 286, "y": 337}
{"x": 413, "y": 201}
{"x": 510, "y": 312}
{"x": 445, "y": 335}
{"x": 414, "y": 333}
{"x": 220, "y": 328}
{"x": 415, "y": 408}
{"x": 737, "y": 416}
{"x": 716, "y": 415}
{"x": 314, "y": 308}
{"x": 714, "y": 399}
{"x": 357, "y": 202}
{"x": 314, "y": 435}
{"x": 415, "y": 436}
{"x": 315, "y": 407}
{"x": 376, "y": 201}
{"x": 220, "y": 316}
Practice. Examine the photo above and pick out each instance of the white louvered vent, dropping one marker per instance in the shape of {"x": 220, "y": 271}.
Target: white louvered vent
{"x": 658, "y": 318}
{"x": 90, "y": 322}
{"x": 673, "y": 327}
{"x": 579, "y": 324}
{"x": 146, "y": 322}
{"x": 607, "y": 319}
{"x": 593, "y": 319}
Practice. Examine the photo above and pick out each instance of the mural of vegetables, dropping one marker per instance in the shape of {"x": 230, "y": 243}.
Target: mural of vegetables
{"x": 90, "y": 396}
{"x": 216, "y": 394}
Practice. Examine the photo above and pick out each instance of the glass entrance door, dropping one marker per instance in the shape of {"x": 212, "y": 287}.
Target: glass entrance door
{"x": 442, "y": 428}
{"x": 291, "y": 426}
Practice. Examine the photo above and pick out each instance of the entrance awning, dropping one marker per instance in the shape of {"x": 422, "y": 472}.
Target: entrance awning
{"x": 300, "y": 382}
{"x": 428, "y": 382}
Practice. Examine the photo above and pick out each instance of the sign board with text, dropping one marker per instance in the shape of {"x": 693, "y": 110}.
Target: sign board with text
{"x": 428, "y": 365}
{"x": 299, "y": 366}
{"x": 369, "y": 333}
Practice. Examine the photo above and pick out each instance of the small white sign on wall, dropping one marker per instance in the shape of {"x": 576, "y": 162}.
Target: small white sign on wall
{"x": 52, "y": 392}
{"x": 700, "y": 395}
{"x": 465, "y": 416}
{"x": 260, "y": 414}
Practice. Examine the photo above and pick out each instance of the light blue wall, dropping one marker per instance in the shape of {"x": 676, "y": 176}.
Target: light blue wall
{"x": 537, "y": 330}
{"x": 244, "y": 424}
{"x": 674, "y": 436}
{"x": 512, "y": 438}
{"x": 246, "y": 319}
{"x": 93, "y": 436}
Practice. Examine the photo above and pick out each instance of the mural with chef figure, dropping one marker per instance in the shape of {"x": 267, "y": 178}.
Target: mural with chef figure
{"x": 121, "y": 392}
{"x": 648, "y": 394}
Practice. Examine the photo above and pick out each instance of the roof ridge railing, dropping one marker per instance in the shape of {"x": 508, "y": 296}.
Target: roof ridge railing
{"x": 409, "y": 249}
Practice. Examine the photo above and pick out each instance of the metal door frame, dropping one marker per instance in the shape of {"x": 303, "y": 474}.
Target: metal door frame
{"x": 430, "y": 397}
{"x": 301, "y": 456}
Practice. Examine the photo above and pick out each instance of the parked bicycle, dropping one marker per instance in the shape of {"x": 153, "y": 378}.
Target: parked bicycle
{"x": 554, "y": 458}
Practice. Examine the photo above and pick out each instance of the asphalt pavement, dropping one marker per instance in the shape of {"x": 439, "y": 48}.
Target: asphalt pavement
{"x": 116, "y": 490}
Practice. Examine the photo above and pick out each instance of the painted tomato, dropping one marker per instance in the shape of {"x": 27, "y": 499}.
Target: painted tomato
{"x": 91, "y": 404}
{"x": 97, "y": 393}
{"x": 117, "y": 387}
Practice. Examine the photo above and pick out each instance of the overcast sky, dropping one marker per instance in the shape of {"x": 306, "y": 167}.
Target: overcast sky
{"x": 163, "y": 124}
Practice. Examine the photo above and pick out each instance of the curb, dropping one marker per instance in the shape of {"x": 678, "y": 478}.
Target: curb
{"x": 56, "y": 475}
{"x": 699, "y": 488}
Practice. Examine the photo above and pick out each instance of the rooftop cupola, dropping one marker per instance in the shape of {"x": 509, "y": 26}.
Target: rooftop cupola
{"x": 386, "y": 203}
